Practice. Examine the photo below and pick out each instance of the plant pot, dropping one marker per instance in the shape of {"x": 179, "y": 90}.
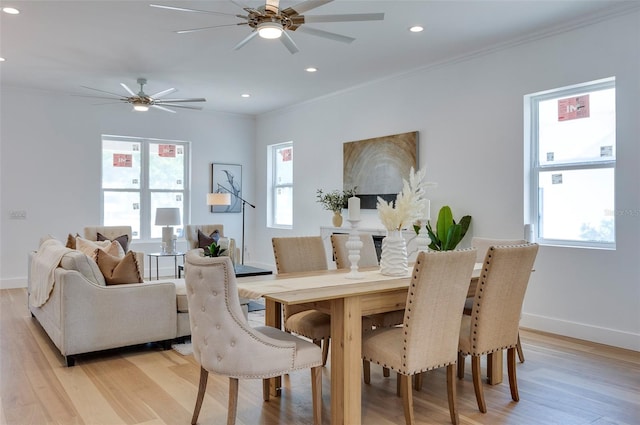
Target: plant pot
{"x": 336, "y": 219}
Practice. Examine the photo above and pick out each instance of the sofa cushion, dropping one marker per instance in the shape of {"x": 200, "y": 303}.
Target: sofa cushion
{"x": 76, "y": 260}
{"x": 117, "y": 271}
{"x": 123, "y": 240}
{"x": 181, "y": 296}
{"x": 88, "y": 247}
{"x": 206, "y": 240}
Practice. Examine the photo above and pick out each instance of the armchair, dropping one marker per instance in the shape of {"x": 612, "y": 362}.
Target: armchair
{"x": 191, "y": 234}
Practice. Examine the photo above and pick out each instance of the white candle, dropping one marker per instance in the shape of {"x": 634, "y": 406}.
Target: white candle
{"x": 354, "y": 208}
{"x": 427, "y": 209}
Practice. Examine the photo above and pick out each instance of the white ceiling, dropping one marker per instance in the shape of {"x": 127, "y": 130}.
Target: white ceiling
{"x": 62, "y": 45}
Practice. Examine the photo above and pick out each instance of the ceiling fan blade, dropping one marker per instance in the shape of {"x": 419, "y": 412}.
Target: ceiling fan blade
{"x": 288, "y": 43}
{"x": 194, "y": 99}
{"x": 246, "y": 40}
{"x": 325, "y": 34}
{"x": 103, "y": 91}
{"x": 198, "y": 108}
{"x": 163, "y": 93}
{"x": 350, "y": 17}
{"x": 182, "y": 9}
{"x": 304, "y": 6}
{"x": 131, "y": 92}
{"x": 208, "y": 28}
{"x": 163, "y": 108}
{"x": 119, "y": 98}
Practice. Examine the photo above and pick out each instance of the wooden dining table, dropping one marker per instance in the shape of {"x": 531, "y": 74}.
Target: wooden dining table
{"x": 346, "y": 300}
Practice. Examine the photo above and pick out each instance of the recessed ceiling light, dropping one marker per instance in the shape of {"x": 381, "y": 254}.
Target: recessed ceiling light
{"x": 245, "y": 95}
{"x": 416, "y": 28}
{"x": 10, "y": 10}
{"x": 311, "y": 69}
{"x": 1, "y": 59}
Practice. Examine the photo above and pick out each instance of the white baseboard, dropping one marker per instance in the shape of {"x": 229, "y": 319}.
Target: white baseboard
{"x": 613, "y": 337}
{"x": 19, "y": 282}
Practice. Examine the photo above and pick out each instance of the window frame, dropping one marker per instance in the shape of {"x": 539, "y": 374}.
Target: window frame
{"x": 146, "y": 212}
{"x": 533, "y": 212}
{"x": 273, "y": 186}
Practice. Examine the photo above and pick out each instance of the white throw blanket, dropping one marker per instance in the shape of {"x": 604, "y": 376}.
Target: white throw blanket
{"x": 43, "y": 266}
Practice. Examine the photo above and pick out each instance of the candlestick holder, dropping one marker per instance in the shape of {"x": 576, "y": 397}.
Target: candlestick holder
{"x": 354, "y": 245}
{"x": 422, "y": 239}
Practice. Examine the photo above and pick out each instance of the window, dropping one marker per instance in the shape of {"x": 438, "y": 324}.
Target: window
{"x": 280, "y": 170}
{"x": 573, "y": 159}
{"x": 140, "y": 175}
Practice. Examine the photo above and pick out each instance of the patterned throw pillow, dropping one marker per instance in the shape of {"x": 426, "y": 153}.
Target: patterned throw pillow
{"x": 89, "y": 247}
{"x": 205, "y": 241}
{"x": 123, "y": 240}
{"x": 117, "y": 271}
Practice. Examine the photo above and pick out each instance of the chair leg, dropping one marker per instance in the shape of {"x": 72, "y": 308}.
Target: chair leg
{"x": 407, "y": 398}
{"x": 511, "y": 370}
{"x": 202, "y": 388}
{"x": 366, "y": 371}
{"x": 398, "y": 385}
{"x": 325, "y": 350}
{"x": 477, "y": 382}
{"x": 451, "y": 394}
{"x": 266, "y": 387}
{"x": 519, "y": 348}
{"x": 460, "y": 365}
{"x": 316, "y": 391}
{"x": 233, "y": 401}
{"x": 385, "y": 372}
{"x": 418, "y": 381}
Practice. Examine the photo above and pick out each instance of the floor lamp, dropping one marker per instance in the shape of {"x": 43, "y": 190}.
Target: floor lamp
{"x": 221, "y": 198}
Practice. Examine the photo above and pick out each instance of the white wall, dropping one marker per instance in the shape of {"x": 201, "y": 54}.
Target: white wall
{"x": 470, "y": 118}
{"x": 50, "y": 156}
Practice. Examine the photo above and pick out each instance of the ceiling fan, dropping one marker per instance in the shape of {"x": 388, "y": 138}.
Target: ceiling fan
{"x": 269, "y": 21}
{"x": 142, "y": 102}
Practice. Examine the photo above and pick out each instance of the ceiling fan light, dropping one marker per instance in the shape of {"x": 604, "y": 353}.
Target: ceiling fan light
{"x": 140, "y": 107}
{"x": 270, "y": 30}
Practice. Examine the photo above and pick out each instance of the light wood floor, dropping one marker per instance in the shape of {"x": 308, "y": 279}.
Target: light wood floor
{"x": 563, "y": 381}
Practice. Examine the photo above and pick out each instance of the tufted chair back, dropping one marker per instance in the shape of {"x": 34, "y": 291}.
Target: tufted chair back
{"x": 482, "y": 245}
{"x": 368, "y": 256}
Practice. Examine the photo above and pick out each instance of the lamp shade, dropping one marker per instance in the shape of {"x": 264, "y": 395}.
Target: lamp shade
{"x": 167, "y": 216}
{"x": 218, "y": 198}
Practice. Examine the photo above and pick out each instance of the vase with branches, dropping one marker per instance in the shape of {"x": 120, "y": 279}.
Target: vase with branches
{"x": 335, "y": 201}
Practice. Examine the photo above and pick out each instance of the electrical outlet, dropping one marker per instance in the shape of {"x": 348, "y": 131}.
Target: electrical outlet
{"x": 18, "y": 215}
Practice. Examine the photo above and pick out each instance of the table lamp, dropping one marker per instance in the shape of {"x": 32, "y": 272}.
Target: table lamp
{"x": 167, "y": 217}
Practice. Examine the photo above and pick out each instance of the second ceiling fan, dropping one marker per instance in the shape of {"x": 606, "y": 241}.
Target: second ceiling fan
{"x": 269, "y": 21}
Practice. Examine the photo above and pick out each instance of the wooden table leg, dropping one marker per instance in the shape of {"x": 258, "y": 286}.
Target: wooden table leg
{"x": 494, "y": 367}
{"x": 346, "y": 350}
{"x": 273, "y": 317}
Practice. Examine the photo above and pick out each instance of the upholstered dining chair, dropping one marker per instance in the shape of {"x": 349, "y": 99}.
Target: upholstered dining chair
{"x": 225, "y": 344}
{"x": 303, "y": 254}
{"x": 428, "y": 338}
{"x": 493, "y": 323}
{"x": 368, "y": 255}
{"x": 482, "y": 246}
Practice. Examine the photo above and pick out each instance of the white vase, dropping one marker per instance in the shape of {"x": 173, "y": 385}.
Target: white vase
{"x": 393, "y": 261}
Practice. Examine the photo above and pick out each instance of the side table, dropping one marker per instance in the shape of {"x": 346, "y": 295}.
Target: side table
{"x": 157, "y": 255}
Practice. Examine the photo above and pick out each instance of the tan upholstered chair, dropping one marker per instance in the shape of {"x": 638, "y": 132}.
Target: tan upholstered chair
{"x": 303, "y": 254}
{"x": 112, "y": 233}
{"x": 493, "y": 323}
{"x": 428, "y": 338}
{"x": 482, "y": 245}
{"x": 191, "y": 235}
{"x": 225, "y": 344}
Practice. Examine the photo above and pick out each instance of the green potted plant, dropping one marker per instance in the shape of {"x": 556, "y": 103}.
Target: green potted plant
{"x": 214, "y": 250}
{"x": 448, "y": 233}
{"x": 335, "y": 201}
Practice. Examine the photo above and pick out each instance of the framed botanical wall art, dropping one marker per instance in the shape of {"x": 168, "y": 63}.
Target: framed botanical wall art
{"x": 377, "y": 166}
{"x": 227, "y": 178}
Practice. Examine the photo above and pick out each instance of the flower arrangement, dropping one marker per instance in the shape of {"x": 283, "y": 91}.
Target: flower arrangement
{"x": 410, "y": 206}
{"x": 335, "y": 201}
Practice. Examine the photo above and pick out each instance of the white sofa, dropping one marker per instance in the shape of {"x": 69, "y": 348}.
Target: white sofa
{"x": 84, "y": 315}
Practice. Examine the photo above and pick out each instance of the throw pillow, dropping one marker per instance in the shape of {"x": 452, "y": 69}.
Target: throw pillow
{"x": 117, "y": 271}
{"x": 71, "y": 241}
{"x": 123, "y": 240}
{"x": 76, "y": 260}
{"x": 89, "y": 247}
{"x": 204, "y": 240}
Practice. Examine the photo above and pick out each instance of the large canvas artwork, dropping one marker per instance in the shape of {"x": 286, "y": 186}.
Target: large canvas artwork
{"x": 227, "y": 178}
{"x": 377, "y": 166}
